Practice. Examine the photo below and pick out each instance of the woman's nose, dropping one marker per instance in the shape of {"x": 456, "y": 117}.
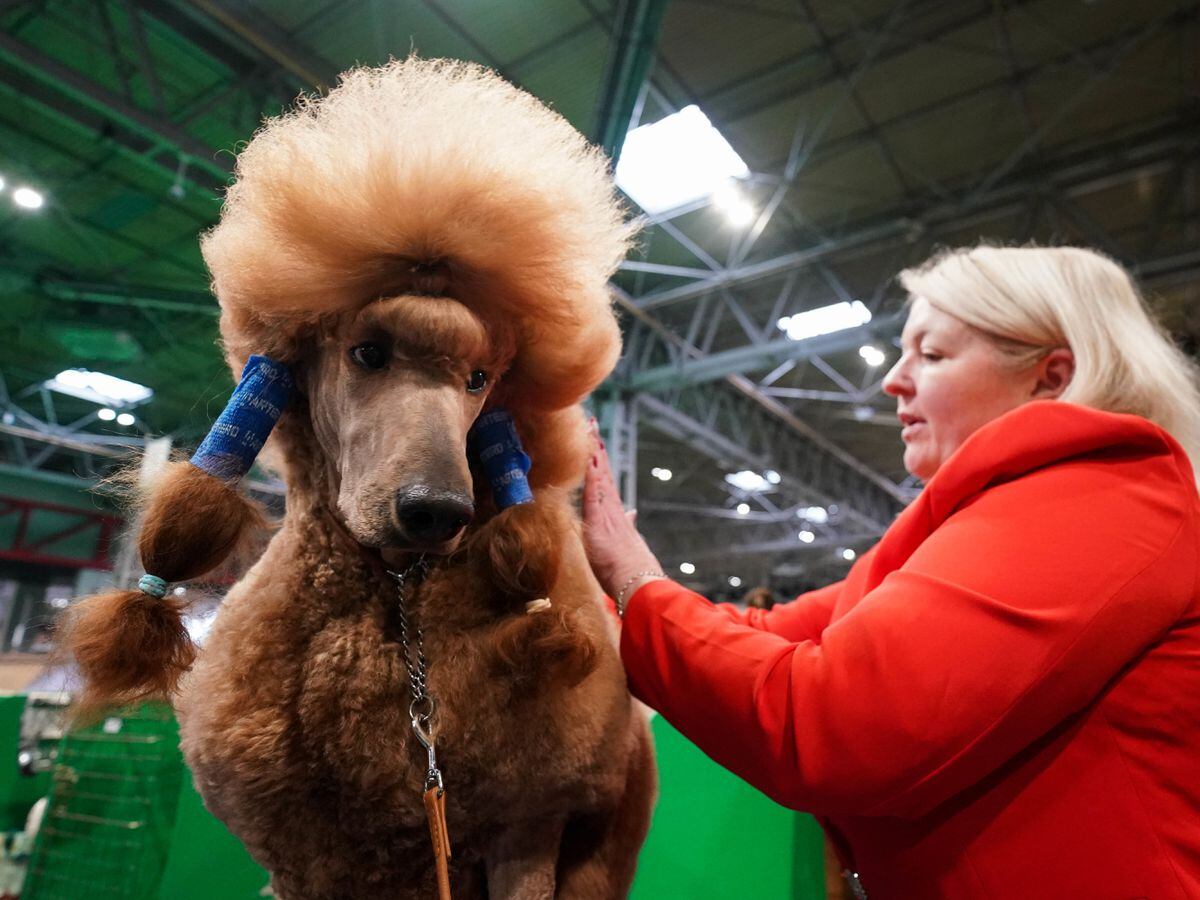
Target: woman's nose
{"x": 896, "y": 382}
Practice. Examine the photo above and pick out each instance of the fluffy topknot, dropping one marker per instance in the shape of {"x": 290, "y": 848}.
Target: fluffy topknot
{"x": 425, "y": 163}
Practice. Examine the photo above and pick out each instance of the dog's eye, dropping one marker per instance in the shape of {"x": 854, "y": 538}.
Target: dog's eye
{"x": 369, "y": 356}
{"x": 477, "y": 382}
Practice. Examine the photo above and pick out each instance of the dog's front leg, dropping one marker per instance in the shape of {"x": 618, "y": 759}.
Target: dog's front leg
{"x": 522, "y": 860}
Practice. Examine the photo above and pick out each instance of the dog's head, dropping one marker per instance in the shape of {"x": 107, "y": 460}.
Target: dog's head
{"x": 393, "y": 390}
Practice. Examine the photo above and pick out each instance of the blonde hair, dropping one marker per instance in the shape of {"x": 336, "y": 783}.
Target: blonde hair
{"x": 1034, "y": 299}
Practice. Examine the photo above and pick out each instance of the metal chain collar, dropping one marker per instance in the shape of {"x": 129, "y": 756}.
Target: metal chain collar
{"x": 421, "y": 709}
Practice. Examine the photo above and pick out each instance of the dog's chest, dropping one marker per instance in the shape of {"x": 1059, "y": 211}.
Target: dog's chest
{"x": 497, "y": 743}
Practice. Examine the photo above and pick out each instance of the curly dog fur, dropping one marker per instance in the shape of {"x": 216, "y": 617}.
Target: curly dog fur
{"x": 435, "y": 210}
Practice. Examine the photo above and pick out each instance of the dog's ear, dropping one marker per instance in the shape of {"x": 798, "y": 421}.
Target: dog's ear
{"x": 520, "y": 553}
{"x": 128, "y": 644}
{"x": 523, "y": 548}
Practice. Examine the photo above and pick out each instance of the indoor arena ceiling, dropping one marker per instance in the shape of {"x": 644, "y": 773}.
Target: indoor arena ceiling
{"x": 873, "y": 132}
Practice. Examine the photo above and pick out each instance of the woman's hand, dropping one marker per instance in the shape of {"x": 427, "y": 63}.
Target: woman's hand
{"x": 614, "y": 548}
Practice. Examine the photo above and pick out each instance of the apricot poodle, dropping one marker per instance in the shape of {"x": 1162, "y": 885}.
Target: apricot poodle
{"x": 425, "y": 245}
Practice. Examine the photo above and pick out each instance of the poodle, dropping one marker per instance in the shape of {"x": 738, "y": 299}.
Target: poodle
{"x": 425, "y": 251}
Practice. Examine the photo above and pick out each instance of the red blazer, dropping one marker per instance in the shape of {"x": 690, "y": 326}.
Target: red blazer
{"x": 1002, "y": 699}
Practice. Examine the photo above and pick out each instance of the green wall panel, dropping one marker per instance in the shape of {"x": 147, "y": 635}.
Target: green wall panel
{"x": 715, "y": 838}
{"x": 17, "y": 792}
{"x": 206, "y": 861}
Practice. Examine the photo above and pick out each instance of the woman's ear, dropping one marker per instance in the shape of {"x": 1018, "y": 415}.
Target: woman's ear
{"x": 1054, "y": 373}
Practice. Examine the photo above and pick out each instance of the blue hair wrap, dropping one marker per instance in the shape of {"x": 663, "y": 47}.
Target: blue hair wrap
{"x": 152, "y": 585}
{"x": 498, "y": 449}
{"x": 244, "y": 425}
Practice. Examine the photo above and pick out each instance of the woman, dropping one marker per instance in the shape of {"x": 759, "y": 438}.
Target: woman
{"x": 1002, "y": 698}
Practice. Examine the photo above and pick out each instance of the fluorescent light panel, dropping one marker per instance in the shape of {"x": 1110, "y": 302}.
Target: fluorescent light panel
{"x": 96, "y": 387}
{"x": 824, "y": 320}
{"x": 676, "y": 160}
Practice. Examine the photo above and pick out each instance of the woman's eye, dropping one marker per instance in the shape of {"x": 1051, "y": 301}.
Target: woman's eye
{"x": 929, "y": 356}
{"x": 369, "y": 356}
{"x": 477, "y": 382}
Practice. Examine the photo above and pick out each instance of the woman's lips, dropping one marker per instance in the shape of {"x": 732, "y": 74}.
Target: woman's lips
{"x": 912, "y": 426}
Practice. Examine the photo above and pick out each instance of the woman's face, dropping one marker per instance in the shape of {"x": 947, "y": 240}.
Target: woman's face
{"x": 950, "y": 380}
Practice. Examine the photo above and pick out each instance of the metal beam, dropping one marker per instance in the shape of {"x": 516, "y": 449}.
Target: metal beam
{"x": 1079, "y": 175}
{"x": 630, "y": 56}
{"x": 744, "y": 386}
{"x": 272, "y": 41}
{"x": 86, "y": 127}
{"x": 86, "y": 92}
{"x": 752, "y": 357}
{"x": 706, "y": 416}
{"x": 175, "y": 301}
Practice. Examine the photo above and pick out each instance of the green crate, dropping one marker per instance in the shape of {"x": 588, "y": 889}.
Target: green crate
{"x": 109, "y": 822}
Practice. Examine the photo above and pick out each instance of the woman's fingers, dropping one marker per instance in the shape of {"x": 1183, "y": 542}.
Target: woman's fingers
{"x": 611, "y": 540}
{"x": 599, "y": 486}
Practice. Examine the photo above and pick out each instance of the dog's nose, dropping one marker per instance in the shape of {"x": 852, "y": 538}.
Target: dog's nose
{"x": 431, "y": 516}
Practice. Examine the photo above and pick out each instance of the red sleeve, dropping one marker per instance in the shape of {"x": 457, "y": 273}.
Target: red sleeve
{"x": 803, "y": 619}
{"x": 1009, "y": 617}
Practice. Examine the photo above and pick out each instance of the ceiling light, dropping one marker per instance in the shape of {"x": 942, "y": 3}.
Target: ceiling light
{"x": 661, "y": 474}
{"x": 125, "y": 419}
{"x": 746, "y": 480}
{"x": 743, "y": 509}
{"x": 28, "y": 198}
{"x": 872, "y": 355}
{"x": 2, "y": 182}
{"x": 772, "y": 476}
{"x": 676, "y": 160}
{"x": 734, "y": 581}
{"x": 806, "y": 536}
{"x": 106, "y": 414}
{"x": 848, "y": 554}
{"x": 687, "y": 568}
{"x": 97, "y": 387}
{"x": 824, "y": 320}
{"x": 731, "y": 201}
{"x": 818, "y": 515}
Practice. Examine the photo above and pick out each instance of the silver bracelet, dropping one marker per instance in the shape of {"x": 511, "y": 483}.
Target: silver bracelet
{"x": 619, "y": 600}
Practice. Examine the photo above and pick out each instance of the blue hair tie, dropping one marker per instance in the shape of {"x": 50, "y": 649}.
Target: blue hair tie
{"x": 498, "y": 448}
{"x": 244, "y": 425}
{"x": 152, "y": 585}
